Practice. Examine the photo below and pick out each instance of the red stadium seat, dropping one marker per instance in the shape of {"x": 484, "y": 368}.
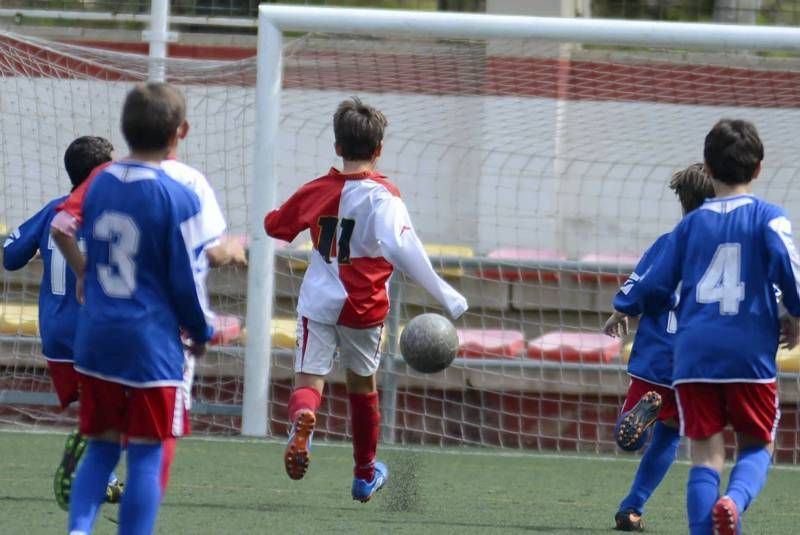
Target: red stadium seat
{"x": 226, "y": 330}
{"x": 562, "y": 346}
{"x": 626, "y": 261}
{"x": 509, "y": 274}
{"x": 490, "y": 343}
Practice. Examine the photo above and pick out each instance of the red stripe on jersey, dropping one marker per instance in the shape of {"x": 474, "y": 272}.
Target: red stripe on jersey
{"x": 367, "y": 302}
{"x": 73, "y": 204}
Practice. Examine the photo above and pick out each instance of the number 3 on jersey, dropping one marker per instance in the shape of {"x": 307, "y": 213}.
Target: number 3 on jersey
{"x": 118, "y": 277}
{"x": 722, "y": 281}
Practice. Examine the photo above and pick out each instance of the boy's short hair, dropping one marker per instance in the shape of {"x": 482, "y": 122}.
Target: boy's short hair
{"x": 692, "y": 186}
{"x": 358, "y": 129}
{"x": 733, "y": 151}
{"x": 83, "y": 155}
{"x": 151, "y": 115}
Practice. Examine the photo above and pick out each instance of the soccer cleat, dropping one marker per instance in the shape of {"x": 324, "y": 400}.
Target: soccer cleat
{"x": 114, "y": 491}
{"x": 364, "y": 490}
{"x": 725, "y": 517}
{"x": 297, "y": 455}
{"x": 635, "y": 423}
{"x": 628, "y": 521}
{"x": 65, "y": 473}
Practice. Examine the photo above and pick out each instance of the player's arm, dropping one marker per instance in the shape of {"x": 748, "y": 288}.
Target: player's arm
{"x": 784, "y": 271}
{"x": 289, "y": 220}
{"x": 402, "y": 248}
{"x": 23, "y": 243}
{"x": 65, "y": 225}
{"x": 187, "y": 270}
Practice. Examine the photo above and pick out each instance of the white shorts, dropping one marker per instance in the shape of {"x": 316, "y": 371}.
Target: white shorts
{"x": 317, "y": 344}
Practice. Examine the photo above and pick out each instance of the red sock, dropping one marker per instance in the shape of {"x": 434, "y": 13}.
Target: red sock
{"x": 304, "y": 398}
{"x": 365, "y": 421}
{"x": 167, "y": 455}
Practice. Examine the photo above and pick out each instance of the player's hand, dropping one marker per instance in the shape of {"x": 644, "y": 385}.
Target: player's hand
{"x": 198, "y": 350}
{"x": 790, "y": 332}
{"x": 236, "y": 252}
{"x": 616, "y": 325}
{"x": 79, "y": 289}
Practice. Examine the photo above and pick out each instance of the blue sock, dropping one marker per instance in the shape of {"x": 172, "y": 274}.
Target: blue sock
{"x": 89, "y": 488}
{"x": 142, "y": 496}
{"x": 702, "y": 493}
{"x": 653, "y": 467}
{"x": 748, "y": 476}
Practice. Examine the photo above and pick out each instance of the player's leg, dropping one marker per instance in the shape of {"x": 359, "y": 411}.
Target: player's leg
{"x": 316, "y": 347}
{"x": 702, "y": 417}
{"x": 157, "y": 417}
{"x": 754, "y": 414}
{"x": 360, "y": 354}
{"x": 654, "y": 465}
{"x": 101, "y": 410}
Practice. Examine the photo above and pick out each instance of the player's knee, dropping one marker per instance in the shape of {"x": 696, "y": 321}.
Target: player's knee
{"x": 360, "y": 384}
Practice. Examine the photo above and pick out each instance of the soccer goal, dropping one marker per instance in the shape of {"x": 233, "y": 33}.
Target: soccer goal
{"x": 534, "y": 155}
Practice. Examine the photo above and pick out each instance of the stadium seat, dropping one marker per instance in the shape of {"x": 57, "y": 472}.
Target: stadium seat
{"x": 789, "y": 360}
{"x": 17, "y": 318}
{"x": 284, "y": 333}
{"x": 438, "y": 249}
{"x": 523, "y": 274}
{"x": 227, "y": 329}
{"x": 490, "y": 343}
{"x": 583, "y": 347}
{"x": 626, "y": 352}
{"x": 625, "y": 262}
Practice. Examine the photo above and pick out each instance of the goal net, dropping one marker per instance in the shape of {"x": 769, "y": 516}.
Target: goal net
{"x": 536, "y": 173}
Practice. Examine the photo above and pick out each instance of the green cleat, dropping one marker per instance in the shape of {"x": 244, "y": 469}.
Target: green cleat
{"x": 65, "y": 473}
{"x": 114, "y": 491}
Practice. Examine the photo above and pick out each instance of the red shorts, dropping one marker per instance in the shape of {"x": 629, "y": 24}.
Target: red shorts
{"x": 751, "y": 408}
{"x": 157, "y": 412}
{"x": 640, "y": 387}
{"x": 65, "y": 381}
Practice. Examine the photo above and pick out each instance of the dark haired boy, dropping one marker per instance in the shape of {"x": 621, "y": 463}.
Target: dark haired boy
{"x": 650, "y": 403}
{"x": 361, "y": 231}
{"x": 58, "y": 308}
{"x": 144, "y": 274}
{"x": 729, "y": 255}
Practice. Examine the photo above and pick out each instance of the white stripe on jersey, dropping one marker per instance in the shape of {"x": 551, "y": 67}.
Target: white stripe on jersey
{"x": 192, "y": 232}
{"x": 724, "y": 205}
{"x": 783, "y": 228}
{"x": 214, "y": 225}
{"x": 132, "y": 173}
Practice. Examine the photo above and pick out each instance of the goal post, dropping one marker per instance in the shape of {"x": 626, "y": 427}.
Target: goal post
{"x": 274, "y": 20}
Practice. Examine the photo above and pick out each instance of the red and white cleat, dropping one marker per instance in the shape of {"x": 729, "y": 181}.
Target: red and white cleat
{"x": 297, "y": 455}
{"x": 725, "y": 517}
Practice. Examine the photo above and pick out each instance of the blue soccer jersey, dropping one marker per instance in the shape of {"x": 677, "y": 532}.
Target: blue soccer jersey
{"x": 729, "y": 256}
{"x": 145, "y": 272}
{"x": 651, "y": 354}
{"x": 58, "y": 307}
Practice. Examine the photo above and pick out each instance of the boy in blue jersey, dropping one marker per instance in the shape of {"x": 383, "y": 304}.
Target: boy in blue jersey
{"x": 58, "y": 308}
{"x": 650, "y": 398}
{"x": 143, "y": 282}
{"x": 728, "y": 256}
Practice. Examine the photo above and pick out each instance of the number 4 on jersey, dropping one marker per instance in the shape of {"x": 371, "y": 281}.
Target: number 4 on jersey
{"x": 722, "y": 281}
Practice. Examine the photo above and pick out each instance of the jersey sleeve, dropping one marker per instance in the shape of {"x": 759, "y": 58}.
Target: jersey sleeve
{"x": 21, "y": 245}
{"x": 401, "y": 246}
{"x": 628, "y": 299}
{"x": 187, "y": 271}
{"x": 784, "y": 262}
{"x": 653, "y": 291}
{"x": 213, "y": 222}
{"x": 287, "y": 221}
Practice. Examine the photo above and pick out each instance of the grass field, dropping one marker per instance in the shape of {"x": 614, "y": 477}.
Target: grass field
{"x": 238, "y": 486}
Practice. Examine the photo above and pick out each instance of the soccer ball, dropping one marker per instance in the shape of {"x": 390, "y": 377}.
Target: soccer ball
{"x": 429, "y": 343}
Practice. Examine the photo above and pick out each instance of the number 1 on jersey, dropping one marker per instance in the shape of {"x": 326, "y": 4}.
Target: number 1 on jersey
{"x": 722, "y": 281}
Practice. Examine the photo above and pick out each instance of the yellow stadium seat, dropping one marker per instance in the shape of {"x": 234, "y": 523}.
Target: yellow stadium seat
{"x": 438, "y": 249}
{"x": 789, "y": 360}
{"x": 626, "y": 352}
{"x": 3, "y": 229}
{"x": 284, "y": 333}
{"x": 16, "y": 318}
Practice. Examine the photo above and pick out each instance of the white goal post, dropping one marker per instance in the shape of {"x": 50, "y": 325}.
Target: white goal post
{"x": 276, "y": 19}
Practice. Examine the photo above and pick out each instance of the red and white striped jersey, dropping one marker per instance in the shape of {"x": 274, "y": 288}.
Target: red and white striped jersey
{"x": 361, "y": 230}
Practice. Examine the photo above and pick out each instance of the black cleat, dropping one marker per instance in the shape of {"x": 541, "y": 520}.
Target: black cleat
{"x": 628, "y": 521}
{"x": 634, "y": 424}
